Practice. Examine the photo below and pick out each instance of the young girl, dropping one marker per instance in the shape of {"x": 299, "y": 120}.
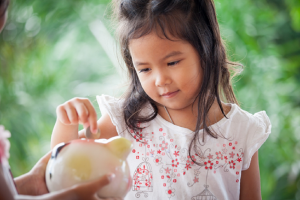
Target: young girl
{"x": 191, "y": 139}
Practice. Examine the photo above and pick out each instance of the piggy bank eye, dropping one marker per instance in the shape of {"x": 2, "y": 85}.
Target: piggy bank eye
{"x": 54, "y": 155}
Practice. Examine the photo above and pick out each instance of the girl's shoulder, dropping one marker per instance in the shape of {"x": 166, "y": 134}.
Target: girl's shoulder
{"x": 241, "y": 118}
{"x": 248, "y": 131}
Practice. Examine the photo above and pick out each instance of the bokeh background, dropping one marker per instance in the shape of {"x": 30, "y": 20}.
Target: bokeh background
{"x": 52, "y": 51}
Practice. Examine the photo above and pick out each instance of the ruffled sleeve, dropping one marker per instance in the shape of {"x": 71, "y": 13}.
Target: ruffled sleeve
{"x": 114, "y": 108}
{"x": 257, "y": 137}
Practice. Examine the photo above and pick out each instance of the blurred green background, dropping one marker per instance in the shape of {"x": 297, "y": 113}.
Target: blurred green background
{"x": 49, "y": 54}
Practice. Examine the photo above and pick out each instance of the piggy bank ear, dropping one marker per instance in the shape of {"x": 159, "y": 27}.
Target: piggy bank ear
{"x": 121, "y": 147}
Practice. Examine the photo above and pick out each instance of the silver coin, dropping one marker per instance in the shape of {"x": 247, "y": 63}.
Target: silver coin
{"x": 90, "y": 135}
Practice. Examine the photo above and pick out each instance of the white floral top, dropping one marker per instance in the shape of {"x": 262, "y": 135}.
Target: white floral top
{"x": 160, "y": 164}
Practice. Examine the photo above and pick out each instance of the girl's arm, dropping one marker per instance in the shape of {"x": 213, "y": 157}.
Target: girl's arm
{"x": 250, "y": 181}
{"x": 75, "y": 111}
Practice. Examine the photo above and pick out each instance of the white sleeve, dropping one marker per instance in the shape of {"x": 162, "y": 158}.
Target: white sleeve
{"x": 256, "y": 138}
{"x": 114, "y": 108}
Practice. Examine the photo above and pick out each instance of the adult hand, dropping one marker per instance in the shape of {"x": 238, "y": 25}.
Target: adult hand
{"x": 33, "y": 182}
{"x": 84, "y": 191}
{"x": 89, "y": 190}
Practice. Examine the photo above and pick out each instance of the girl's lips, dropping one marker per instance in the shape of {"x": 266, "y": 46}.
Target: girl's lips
{"x": 170, "y": 94}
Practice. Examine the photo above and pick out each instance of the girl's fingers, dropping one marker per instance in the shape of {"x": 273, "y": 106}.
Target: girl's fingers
{"x": 92, "y": 118}
{"x": 72, "y": 113}
{"x": 83, "y": 114}
{"x": 62, "y": 115}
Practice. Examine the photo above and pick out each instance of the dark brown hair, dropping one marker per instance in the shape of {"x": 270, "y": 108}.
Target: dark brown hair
{"x": 194, "y": 21}
{"x": 3, "y": 5}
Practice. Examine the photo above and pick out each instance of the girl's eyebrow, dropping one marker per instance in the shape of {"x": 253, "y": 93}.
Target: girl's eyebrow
{"x": 173, "y": 53}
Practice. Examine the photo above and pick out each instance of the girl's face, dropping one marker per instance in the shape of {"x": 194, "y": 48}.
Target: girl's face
{"x": 169, "y": 71}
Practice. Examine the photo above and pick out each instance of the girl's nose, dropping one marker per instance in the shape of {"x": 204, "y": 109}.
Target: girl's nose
{"x": 162, "y": 79}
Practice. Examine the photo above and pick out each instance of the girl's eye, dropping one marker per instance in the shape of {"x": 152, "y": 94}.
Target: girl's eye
{"x": 173, "y": 63}
{"x": 144, "y": 70}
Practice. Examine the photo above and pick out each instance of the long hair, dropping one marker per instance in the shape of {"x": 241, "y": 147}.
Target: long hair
{"x": 194, "y": 21}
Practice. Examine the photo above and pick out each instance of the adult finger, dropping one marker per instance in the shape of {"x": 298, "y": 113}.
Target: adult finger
{"x": 91, "y": 187}
{"x": 45, "y": 158}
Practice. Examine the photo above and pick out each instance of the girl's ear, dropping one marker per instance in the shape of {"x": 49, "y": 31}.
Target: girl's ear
{"x": 119, "y": 146}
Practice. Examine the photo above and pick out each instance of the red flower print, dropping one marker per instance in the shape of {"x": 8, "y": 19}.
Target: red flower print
{"x": 137, "y": 157}
{"x": 208, "y": 164}
{"x": 233, "y": 148}
{"x": 237, "y": 173}
{"x": 171, "y": 140}
{"x": 152, "y": 152}
{"x": 145, "y": 142}
{"x": 133, "y": 150}
{"x": 224, "y": 145}
{"x": 196, "y": 179}
{"x": 159, "y": 151}
{"x": 164, "y": 145}
{"x": 175, "y": 163}
{"x": 210, "y": 156}
{"x": 239, "y": 159}
{"x": 164, "y": 184}
{"x": 187, "y": 166}
{"x": 217, "y": 162}
{"x": 236, "y": 142}
{"x": 231, "y": 155}
{"x": 237, "y": 180}
{"x": 157, "y": 160}
{"x": 232, "y": 164}
{"x": 219, "y": 155}
{"x": 168, "y": 170}
{"x": 170, "y": 192}
{"x": 230, "y": 144}
{"x": 176, "y": 153}
{"x": 225, "y": 157}
{"x": 160, "y": 129}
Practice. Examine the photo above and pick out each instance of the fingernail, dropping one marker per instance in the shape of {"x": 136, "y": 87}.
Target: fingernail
{"x": 111, "y": 177}
{"x": 95, "y": 131}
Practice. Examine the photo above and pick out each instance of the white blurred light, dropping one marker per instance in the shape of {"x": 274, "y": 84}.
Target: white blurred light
{"x": 33, "y": 26}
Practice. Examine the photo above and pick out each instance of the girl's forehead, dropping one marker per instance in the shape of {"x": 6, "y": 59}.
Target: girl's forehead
{"x": 154, "y": 39}
{"x": 153, "y": 48}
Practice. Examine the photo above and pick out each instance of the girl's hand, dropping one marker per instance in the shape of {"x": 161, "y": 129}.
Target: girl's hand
{"x": 78, "y": 110}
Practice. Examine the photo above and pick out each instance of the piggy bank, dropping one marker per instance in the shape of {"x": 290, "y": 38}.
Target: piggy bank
{"x": 82, "y": 160}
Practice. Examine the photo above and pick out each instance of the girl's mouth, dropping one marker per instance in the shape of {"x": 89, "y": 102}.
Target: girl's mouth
{"x": 170, "y": 94}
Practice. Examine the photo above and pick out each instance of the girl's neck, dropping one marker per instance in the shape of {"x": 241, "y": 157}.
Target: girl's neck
{"x": 187, "y": 117}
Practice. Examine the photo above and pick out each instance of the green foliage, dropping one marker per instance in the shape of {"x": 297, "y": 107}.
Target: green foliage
{"x": 49, "y": 55}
